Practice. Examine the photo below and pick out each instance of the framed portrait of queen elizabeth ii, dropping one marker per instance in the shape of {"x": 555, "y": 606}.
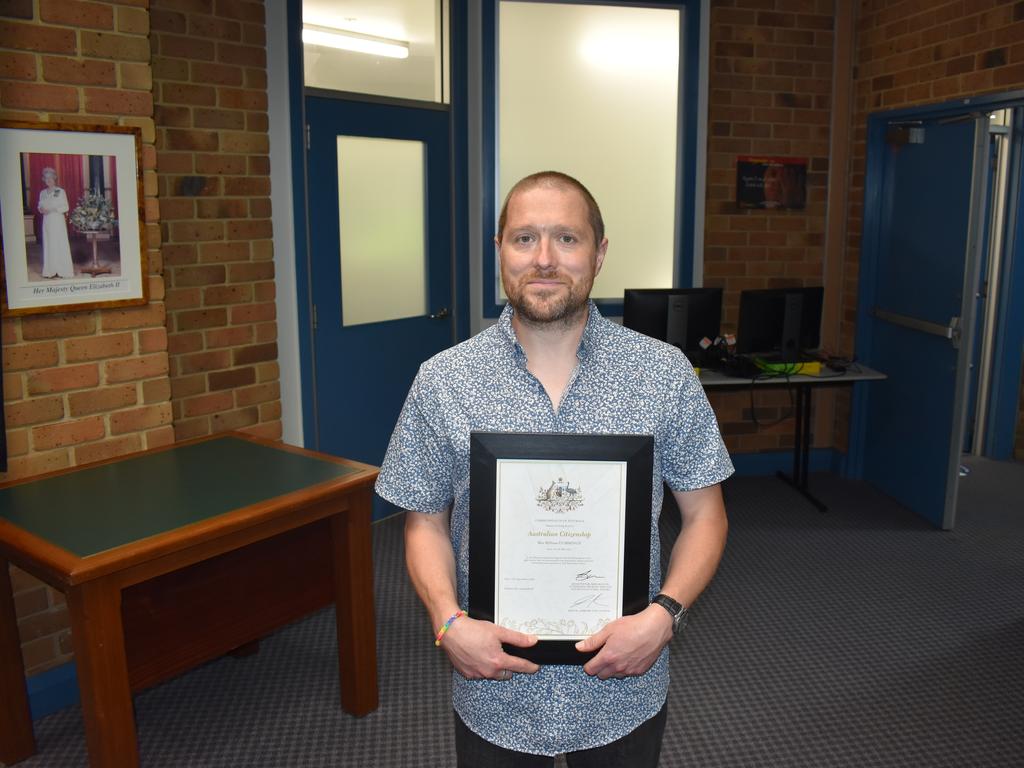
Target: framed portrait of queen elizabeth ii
{"x": 71, "y": 217}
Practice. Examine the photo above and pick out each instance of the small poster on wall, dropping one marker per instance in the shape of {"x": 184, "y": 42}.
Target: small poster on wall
{"x": 771, "y": 182}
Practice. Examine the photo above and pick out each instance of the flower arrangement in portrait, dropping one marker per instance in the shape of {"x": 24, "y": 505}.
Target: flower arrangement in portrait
{"x": 94, "y": 213}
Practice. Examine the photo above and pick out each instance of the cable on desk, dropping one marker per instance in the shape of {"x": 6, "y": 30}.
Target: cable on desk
{"x": 784, "y": 416}
{"x": 832, "y": 375}
{"x": 841, "y": 365}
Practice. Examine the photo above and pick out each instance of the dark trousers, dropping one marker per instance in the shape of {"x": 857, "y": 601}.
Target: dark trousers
{"x": 637, "y": 749}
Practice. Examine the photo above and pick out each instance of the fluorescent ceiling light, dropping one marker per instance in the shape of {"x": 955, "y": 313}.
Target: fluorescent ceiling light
{"x": 354, "y": 41}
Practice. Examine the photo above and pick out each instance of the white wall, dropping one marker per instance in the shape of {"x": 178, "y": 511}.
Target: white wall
{"x": 478, "y": 251}
{"x": 700, "y": 190}
{"x": 283, "y": 221}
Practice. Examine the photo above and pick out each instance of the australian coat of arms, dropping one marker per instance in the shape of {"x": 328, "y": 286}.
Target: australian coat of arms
{"x": 559, "y": 496}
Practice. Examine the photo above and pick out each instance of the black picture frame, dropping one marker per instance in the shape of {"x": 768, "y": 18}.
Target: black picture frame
{"x": 486, "y": 448}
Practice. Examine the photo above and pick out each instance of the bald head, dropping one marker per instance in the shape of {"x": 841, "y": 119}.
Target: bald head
{"x": 555, "y": 180}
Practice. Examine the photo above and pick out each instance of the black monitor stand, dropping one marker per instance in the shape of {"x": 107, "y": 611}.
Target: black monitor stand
{"x": 675, "y": 326}
{"x": 791, "y": 319}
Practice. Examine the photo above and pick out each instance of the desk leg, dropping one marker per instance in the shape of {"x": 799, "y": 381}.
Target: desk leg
{"x": 17, "y": 741}
{"x": 799, "y": 440}
{"x": 802, "y": 448}
{"x": 106, "y": 695}
{"x": 353, "y": 603}
{"x": 805, "y": 442}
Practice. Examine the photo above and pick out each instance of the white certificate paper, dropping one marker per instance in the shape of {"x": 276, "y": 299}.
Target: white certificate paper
{"x": 558, "y": 546}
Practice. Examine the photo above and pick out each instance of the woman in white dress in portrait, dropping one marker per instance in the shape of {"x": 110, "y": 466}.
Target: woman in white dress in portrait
{"x": 53, "y": 204}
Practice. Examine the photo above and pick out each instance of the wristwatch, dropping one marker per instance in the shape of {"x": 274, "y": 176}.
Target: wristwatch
{"x": 675, "y": 609}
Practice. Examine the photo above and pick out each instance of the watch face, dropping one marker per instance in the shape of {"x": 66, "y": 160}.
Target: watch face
{"x": 680, "y": 619}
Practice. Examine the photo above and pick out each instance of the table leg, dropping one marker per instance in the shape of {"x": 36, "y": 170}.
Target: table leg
{"x": 106, "y": 695}
{"x": 799, "y": 446}
{"x": 806, "y": 439}
{"x": 802, "y": 448}
{"x": 247, "y": 649}
{"x": 17, "y": 741}
{"x": 353, "y": 601}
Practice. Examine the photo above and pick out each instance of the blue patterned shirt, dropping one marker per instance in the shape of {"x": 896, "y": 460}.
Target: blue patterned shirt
{"x": 625, "y": 383}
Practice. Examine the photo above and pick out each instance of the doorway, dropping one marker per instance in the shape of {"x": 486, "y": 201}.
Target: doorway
{"x": 377, "y": 151}
{"x": 379, "y": 208}
{"x": 937, "y": 309}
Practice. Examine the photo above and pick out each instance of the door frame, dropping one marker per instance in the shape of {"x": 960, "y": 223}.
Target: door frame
{"x": 1008, "y": 343}
{"x": 871, "y": 236}
{"x": 458, "y": 175}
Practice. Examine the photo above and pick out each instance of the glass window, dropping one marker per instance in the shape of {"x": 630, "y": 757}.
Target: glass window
{"x": 594, "y": 91}
{"x": 393, "y": 48}
{"x": 382, "y": 215}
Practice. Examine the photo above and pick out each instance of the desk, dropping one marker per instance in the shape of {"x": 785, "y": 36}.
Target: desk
{"x": 804, "y": 386}
{"x": 173, "y": 557}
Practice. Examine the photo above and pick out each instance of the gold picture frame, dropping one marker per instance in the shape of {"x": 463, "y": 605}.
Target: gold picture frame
{"x": 72, "y": 218}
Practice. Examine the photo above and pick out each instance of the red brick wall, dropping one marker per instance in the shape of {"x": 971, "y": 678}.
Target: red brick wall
{"x": 924, "y": 53}
{"x": 89, "y": 385}
{"x": 769, "y": 94}
{"x": 210, "y": 81}
{"x": 86, "y": 385}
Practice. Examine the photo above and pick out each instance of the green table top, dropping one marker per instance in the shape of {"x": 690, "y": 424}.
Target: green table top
{"x": 107, "y": 506}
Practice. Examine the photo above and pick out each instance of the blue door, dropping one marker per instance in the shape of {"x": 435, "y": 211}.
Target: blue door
{"x": 367, "y": 344}
{"x": 925, "y": 201}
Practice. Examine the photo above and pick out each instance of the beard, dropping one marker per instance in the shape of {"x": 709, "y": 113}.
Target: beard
{"x": 561, "y": 305}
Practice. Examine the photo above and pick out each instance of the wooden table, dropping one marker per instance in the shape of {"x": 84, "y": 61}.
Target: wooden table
{"x": 170, "y": 558}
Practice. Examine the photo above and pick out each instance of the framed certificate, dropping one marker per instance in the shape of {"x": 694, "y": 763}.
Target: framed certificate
{"x": 559, "y": 535}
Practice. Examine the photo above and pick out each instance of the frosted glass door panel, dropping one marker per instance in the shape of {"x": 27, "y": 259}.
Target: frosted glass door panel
{"x": 382, "y": 218}
{"x": 594, "y": 91}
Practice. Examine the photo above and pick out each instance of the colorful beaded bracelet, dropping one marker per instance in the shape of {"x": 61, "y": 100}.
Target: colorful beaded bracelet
{"x": 446, "y": 625}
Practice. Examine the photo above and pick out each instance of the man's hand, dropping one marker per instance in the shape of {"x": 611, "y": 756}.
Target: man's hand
{"x": 628, "y": 646}
{"x": 474, "y": 648}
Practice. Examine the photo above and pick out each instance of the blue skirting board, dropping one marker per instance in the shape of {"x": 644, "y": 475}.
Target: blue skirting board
{"x": 820, "y": 460}
{"x": 52, "y": 690}
{"x": 57, "y": 688}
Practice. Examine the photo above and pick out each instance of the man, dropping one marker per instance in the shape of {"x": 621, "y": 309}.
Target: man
{"x": 553, "y": 364}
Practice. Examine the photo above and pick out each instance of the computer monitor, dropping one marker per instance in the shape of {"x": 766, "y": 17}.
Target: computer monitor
{"x": 780, "y": 323}
{"x": 679, "y": 316}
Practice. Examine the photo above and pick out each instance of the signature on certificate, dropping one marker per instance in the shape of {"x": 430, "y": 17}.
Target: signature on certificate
{"x": 587, "y": 575}
{"x": 590, "y": 601}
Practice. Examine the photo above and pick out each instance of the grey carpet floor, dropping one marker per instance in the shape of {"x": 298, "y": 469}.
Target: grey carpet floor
{"x": 859, "y": 638}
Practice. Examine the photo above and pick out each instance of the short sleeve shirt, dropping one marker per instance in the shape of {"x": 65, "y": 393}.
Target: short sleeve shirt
{"x": 624, "y": 383}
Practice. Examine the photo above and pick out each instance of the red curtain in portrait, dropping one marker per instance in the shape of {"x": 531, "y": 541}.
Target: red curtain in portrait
{"x": 36, "y": 162}
{"x": 69, "y": 178}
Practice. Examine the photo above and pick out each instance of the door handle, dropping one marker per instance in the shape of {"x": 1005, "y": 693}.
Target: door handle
{"x": 441, "y": 314}
{"x": 951, "y": 331}
{"x": 954, "y": 332}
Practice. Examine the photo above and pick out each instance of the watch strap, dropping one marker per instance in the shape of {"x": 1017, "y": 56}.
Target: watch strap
{"x": 675, "y": 609}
